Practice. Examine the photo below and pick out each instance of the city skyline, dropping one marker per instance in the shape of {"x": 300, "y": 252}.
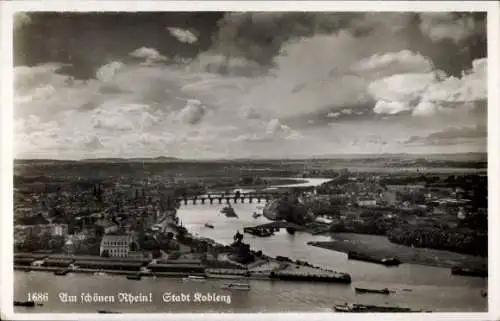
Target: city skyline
{"x": 210, "y": 86}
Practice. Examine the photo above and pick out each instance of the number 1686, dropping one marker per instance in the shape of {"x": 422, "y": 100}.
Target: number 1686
{"x": 38, "y": 297}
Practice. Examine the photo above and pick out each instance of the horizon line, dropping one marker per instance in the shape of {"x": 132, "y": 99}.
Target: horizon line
{"x": 174, "y": 158}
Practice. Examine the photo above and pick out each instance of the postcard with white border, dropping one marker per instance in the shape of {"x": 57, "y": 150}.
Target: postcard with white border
{"x": 191, "y": 158}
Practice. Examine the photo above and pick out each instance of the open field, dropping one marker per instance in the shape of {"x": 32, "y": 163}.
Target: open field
{"x": 381, "y": 247}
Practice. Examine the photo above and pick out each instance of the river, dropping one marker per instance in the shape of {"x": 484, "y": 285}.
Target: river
{"x": 432, "y": 288}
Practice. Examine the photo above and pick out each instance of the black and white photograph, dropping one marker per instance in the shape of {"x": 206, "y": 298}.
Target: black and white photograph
{"x": 250, "y": 161}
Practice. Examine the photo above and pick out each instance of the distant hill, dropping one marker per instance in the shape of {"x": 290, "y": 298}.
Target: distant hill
{"x": 131, "y": 160}
{"x": 462, "y": 157}
{"x": 98, "y": 160}
{"x": 458, "y": 157}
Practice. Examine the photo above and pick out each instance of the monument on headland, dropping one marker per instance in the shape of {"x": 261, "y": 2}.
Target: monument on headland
{"x": 240, "y": 251}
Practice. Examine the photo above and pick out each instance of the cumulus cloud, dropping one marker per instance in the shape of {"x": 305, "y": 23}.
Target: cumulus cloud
{"x": 266, "y": 74}
{"x": 402, "y": 87}
{"x": 426, "y": 108}
{"x": 192, "y": 113}
{"x": 183, "y": 35}
{"x": 35, "y": 136}
{"x": 250, "y": 113}
{"x": 93, "y": 143}
{"x": 107, "y": 72}
{"x": 259, "y": 36}
{"x": 472, "y": 86}
{"x": 114, "y": 115}
{"x": 249, "y": 138}
{"x": 390, "y": 107}
{"x": 218, "y": 63}
{"x": 27, "y": 79}
{"x": 273, "y": 130}
{"x": 151, "y": 55}
{"x": 274, "y": 126}
{"x": 43, "y": 92}
{"x": 448, "y": 25}
{"x": 386, "y": 64}
{"x": 428, "y": 93}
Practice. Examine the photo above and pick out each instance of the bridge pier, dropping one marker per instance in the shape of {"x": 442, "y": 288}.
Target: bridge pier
{"x": 242, "y": 200}
{"x": 258, "y": 199}
{"x": 185, "y": 201}
{"x": 202, "y": 201}
{"x": 194, "y": 201}
{"x": 220, "y": 200}
{"x": 227, "y": 200}
{"x": 211, "y": 200}
{"x": 235, "y": 200}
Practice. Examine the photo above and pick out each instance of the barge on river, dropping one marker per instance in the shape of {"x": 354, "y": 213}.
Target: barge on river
{"x": 62, "y": 272}
{"x": 262, "y": 232}
{"x": 328, "y": 278}
{"x": 483, "y": 273}
{"x": 379, "y": 291}
{"x": 361, "y": 308}
{"x": 387, "y": 261}
{"x": 106, "y": 311}
{"x": 237, "y": 286}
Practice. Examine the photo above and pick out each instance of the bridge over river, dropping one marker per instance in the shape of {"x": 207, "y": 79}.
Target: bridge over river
{"x": 231, "y": 198}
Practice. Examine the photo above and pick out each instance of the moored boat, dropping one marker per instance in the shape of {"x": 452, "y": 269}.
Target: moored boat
{"x": 361, "y": 308}
{"x": 469, "y": 272}
{"x": 62, "y": 272}
{"x": 209, "y": 225}
{"x": 237, "y": 286}
{"x": 380, "y": 291}
{"x": 224, "y": 276}
{"x": 100, "y": 273}
{"x": 134, "y": 277}
{"x": 342, "y": 278}
{"x": 388, "y": 261}
{"x": 194, "y": 278}
{"x": 106, "y": 311}
{"x": 262, "y": 232}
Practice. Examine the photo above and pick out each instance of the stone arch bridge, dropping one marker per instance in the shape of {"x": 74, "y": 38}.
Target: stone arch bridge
{"x": 230, "y": 198}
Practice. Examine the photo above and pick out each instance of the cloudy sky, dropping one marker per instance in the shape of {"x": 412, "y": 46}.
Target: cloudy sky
{"x": 231, "y": 85}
